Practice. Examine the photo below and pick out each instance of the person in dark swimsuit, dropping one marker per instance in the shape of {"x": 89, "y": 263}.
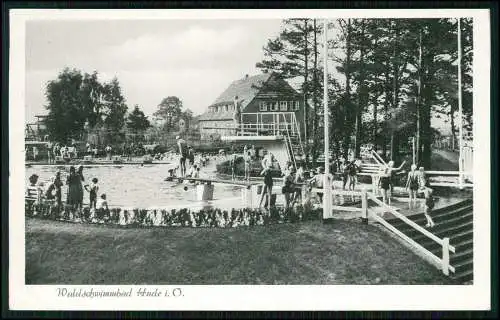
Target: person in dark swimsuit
{"x": 384, "y": 185}
{"x": 58, "y": 184}
{"x": 183, "y": 155}
{"x": 353, "y": 174}
{"x": 288, "y": 188}
{"x": 74, "y": 183}
{"x": 190, "y": 156}
{"x": 412, "y": 185}
{"x": 267, "y": 189}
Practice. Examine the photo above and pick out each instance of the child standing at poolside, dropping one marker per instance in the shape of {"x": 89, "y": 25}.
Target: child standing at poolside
{"x": 429, "y": 205}
{"x": 93, "y": 189}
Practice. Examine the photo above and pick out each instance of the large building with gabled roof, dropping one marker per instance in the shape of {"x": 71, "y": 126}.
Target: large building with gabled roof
{"x": 265, "y": 100}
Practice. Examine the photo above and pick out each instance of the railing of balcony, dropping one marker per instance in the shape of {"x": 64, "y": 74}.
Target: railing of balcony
{"x": 269, "y": 122}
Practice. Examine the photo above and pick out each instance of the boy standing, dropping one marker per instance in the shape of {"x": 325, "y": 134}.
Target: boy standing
{"x": 93, "y": 189}
{"x": 429, "y": 205}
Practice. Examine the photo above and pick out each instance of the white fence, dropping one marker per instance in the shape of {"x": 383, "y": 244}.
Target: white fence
{"x": 442, "y": 262}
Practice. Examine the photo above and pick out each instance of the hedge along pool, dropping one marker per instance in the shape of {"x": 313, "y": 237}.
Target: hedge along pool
{"x": 142, "y": 186}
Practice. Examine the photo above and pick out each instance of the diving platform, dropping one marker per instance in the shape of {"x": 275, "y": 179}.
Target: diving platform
{"x": 252, "y": 138}
{"x": 276, "y": 132}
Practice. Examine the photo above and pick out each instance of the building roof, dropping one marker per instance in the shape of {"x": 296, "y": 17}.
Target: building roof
{"x": 224, "y": 115}
{"x": 245, "y": 89}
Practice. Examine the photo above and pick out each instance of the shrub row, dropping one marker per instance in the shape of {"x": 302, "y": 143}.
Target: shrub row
{"x": 213, "y": 217}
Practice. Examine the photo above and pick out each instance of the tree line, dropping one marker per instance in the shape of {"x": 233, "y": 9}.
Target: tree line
{"x": 78, "y": 103}
{"x": 391, "y": 77}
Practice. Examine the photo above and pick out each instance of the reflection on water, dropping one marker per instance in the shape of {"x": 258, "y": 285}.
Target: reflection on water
{"x": 138, "y": 185}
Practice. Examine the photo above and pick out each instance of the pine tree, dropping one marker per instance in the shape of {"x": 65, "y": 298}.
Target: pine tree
{"x": 137, "y": 121}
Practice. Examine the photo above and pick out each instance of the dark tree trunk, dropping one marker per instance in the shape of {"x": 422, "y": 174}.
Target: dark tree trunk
{"x": 419, "y": 102}
{"x": 386, "y": 116}
{"x": 452, "y": 121}
{"x": 315, "y": 96}
{"x": 305, "y": 90}
{"x": 375, "y": 123}
{"x": 426, "y": 137}
{"x": 362, "y": 95}
{"x": 395, "y": 93}
{"x": 347, "y": 106}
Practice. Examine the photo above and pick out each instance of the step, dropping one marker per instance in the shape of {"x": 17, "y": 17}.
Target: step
{"x": 460, "y": 247}
{"x": 440, "y": 227}
{"x": 429, "y": 243}
{"x": 460, "y": 256}
{"x": 449, "y": 232}
{"x": 454, "y": 239}
{"x": 369, "y": 171}
{"x": 463, "y": 276}
{"x": 419, "y": 217}
{"x": 454, "y": 206}
{"x": 465, "y": 240}
{"x": 458, "y": 237}
{"x": 421, "y": 220}
{"x": 371, "y": 166}
{"x": 464, "y": 266}
{"x": 440, "y": 230}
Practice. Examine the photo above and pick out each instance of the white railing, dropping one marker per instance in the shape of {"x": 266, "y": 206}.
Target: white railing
{"x": 450, "y": 174}
{"x": 378, "y": 158}
{"x": 271, "y": 121}
{"x": 443, "y": 263}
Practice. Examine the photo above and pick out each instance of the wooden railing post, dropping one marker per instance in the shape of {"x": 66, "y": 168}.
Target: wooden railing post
{"x": 364, "y": 206}
{"x": 445, "y": 262}
{"x": 304, "y": 194}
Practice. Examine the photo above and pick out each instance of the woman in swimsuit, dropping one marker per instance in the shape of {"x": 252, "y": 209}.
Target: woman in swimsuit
{"x": 412, "y": 185}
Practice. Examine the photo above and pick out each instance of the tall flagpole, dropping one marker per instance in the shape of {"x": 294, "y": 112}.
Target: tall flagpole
{"x": 460, "y": 121}
{"x": 327, "y": 197}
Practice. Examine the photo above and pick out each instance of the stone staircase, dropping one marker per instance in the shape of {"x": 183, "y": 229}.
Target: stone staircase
{"x": 454, "y": 222}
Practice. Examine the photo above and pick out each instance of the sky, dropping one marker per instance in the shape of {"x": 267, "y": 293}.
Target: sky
{"x": 194, "y": 60}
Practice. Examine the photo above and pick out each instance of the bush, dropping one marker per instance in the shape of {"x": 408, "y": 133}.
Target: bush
{"x": 136, "y": 217}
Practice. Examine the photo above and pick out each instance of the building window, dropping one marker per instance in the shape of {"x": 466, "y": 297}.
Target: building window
{"x": 283, "y": 106}
{"x": 263, "y": 106}
{"x": 226, "y": 108}
{"x": 297, "y": 105}
{"x": 274, "y": 106}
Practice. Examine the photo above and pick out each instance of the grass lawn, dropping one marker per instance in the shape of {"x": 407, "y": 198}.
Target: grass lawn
{"x": 304, "y": 253}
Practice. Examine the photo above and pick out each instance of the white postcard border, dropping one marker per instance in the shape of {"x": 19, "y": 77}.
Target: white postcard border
{"x": 235, "y": 297}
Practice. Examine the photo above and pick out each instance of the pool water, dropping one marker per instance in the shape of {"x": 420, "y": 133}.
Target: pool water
{"x": 141, "y": 186}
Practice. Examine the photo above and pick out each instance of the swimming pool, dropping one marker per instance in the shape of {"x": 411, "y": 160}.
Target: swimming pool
{"x": 142, "y": 186}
